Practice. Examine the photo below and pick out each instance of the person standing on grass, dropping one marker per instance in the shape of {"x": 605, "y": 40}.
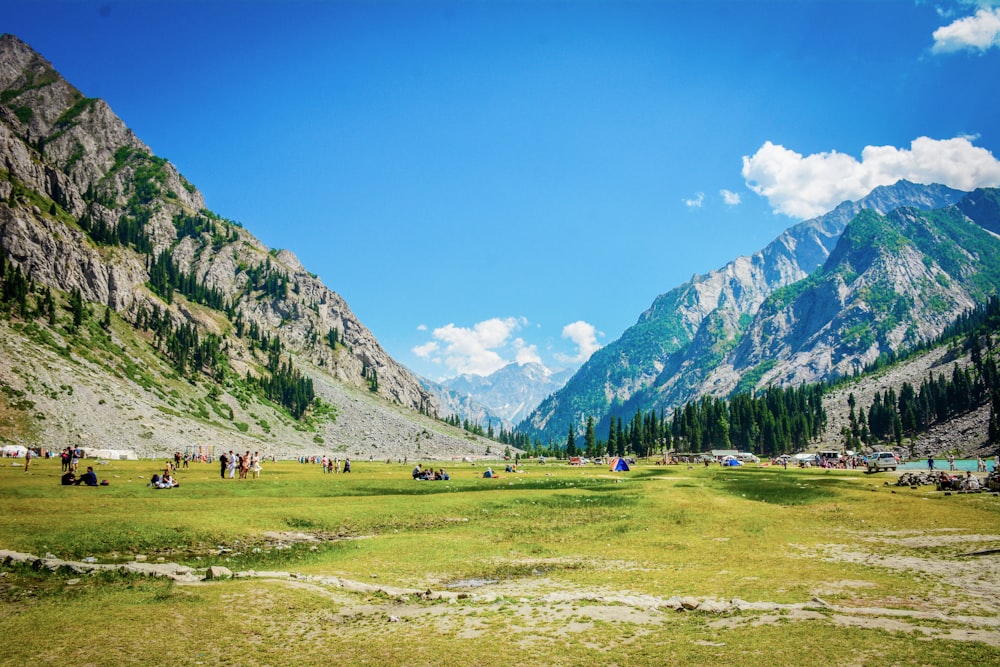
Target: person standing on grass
{"x": 27, "y": 459}
{"x": 245, "y": 466}
{"x": 231, "y": 464}
{"x": 223, "y": 462}
{"x": 255, "y": 465}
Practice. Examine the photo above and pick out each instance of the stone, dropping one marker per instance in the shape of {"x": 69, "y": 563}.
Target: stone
{"x": 219, "y": 572}
{"x": 690, "y": 603}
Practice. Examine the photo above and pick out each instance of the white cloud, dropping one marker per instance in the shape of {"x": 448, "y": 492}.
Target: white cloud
{"x": 978, "y": 32}
{"x": 804, "y": 187}
{"x": 584, "y": 336}
{"x": 696, "y": 201}
{"x": 526, "y": 354}
{"x": 731, "y": 198}
{"x": 475, "y": 350}
{"x": 424, "y": 351}
{"x": 421, "y": 327}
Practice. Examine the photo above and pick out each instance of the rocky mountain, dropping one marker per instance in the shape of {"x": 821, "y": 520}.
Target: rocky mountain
{"x": 94, "y": 225}
{"x": 666, "y": 357}
{"x": 892, "y": 282}
{"x": 508, "y": 394}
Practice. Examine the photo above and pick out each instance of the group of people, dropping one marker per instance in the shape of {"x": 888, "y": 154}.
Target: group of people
{"x": 88, "y": 478}
{"x": 959, "y": 483}
{"x": 164, "y": 481}
{"x": 70, "y": 458}
{"x": 429, "y": 474}
{"x": 980, "y": 463}
{"x": 245, "y": 464}
{"x": 332, "y": 466}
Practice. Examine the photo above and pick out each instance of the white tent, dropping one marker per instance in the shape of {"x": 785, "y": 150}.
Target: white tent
{"x": 112, "y": 454}
{"x": 14, "y": 450}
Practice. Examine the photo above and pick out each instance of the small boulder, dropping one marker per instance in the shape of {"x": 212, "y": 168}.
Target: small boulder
{"x": 218, "y": 572}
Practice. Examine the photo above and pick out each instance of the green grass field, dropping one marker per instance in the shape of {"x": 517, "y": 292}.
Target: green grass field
{"x": 555, "y": 565}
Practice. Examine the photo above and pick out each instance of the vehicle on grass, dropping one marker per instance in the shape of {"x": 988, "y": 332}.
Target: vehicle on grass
{"x": 829, "y": 455}
{"x": 882, "y": 461}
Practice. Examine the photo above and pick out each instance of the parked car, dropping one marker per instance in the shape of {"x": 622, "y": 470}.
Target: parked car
{"x": 882, "y": 461}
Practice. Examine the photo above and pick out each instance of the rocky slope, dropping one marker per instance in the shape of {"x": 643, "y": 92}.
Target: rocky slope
{"x": 891, "y": 282}
{"x": 86, "y": 208}
{"x": 965, "y": 435}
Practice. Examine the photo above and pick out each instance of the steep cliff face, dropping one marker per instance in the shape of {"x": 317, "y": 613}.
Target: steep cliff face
{"x": 675, "y": 345}
{"x": 86, "y": 207}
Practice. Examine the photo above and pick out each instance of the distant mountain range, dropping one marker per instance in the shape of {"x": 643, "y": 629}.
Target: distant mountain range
{"x": 826, "y": 297}
{"x": 503, "y": 398}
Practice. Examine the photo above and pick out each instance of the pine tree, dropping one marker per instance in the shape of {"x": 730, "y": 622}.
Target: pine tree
{"x": 589, "y": 439}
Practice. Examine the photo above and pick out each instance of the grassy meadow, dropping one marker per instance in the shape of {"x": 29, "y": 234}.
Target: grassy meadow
{"x": 554, "y": 565}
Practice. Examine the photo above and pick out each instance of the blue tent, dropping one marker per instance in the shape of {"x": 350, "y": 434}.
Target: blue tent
{"x": 730, "y": 461}
{"x": 618, "y": 465}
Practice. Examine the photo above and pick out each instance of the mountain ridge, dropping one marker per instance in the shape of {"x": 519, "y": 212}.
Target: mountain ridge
{"x": 691, "y": 328}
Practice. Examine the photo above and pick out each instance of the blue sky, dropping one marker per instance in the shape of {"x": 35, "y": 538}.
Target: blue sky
{"x": 486, "y": 182}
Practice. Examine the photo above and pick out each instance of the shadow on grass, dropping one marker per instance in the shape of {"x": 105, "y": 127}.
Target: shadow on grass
{"x": 779, "y": 488}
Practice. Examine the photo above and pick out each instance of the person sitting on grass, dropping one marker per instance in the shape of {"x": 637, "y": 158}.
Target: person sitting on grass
{"x": 488, "y": 474}
{"x": 971, "y": 482}
{"x": 68, "y": 478}
{"x": 88, "y": 478}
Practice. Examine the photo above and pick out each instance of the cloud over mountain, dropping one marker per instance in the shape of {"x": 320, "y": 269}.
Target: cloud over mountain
{"x": 584, "y": 336}
{"x": 807, "y": 186}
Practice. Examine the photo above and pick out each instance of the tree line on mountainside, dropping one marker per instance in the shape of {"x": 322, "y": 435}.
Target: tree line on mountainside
{"x": 189, "y": 352}
{"x": 775, "y": 421}
{"x": 890, "y": 417}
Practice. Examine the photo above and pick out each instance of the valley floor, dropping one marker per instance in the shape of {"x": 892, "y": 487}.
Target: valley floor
{"x": 555, "y": 565}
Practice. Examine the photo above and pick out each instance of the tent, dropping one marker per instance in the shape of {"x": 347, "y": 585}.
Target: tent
{"x": 618, "y": 465}
{"x": 14, "y": 450}
{"x": 731, "y": 461}
{"x": 113, "y": 454}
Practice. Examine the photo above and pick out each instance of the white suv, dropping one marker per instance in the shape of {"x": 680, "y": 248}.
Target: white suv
{"x": 882, "y": 461}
